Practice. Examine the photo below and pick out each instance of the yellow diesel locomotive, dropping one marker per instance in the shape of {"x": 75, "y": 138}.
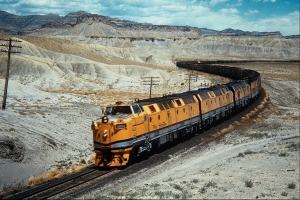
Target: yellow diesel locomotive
{"x": 127, "y": 130}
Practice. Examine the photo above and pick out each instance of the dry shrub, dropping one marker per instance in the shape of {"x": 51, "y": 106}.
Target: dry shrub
{"x": 296, "y": 118}
{"x": 40, "y": 112}
{"x": 259, "y": 116}
{"x": 22, "y": 113}
{"x": 244, "y": 118}
{"x": 260, "y": 106}
{"x": 224, "y": 130}
{"x": 46, "y": 176}
{"x": 231, "y": 127}
{"x": 54, "y": 173}
{"x": 216, "y": 135}
{"x": 236, "y": 123}
{"x": 75, "y": 168}
{"x": 278, "y": 112}
{"x": 91, "y": 158}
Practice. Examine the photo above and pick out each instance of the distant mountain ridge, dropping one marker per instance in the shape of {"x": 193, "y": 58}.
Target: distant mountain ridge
{"x": 24, "y": 25}
{"x": 236, "y": 32}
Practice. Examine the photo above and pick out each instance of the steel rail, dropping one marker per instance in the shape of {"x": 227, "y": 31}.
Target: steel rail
{"x": 75, "y": 184}
{"x": 47, "y": 186}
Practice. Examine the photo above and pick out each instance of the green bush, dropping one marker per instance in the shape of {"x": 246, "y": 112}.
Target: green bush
{"x": 249, "y": 183}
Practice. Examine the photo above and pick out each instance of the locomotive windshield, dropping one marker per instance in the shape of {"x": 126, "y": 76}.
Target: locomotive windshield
{"x": 116, "y": 110}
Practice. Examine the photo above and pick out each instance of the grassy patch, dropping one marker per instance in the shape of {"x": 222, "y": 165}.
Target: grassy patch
{"x": 292, "y": 185}
{"x": 195, "y": 180}
{"x": 51, "y": 141}
{"x": 178, "y": 187}
{"x": 210, "y": 184}
{"x": 284, "y": 193}
{"x": 248, "y": 151}
{"x": 241, "y": 155}
{"x": 258, "y": 135}
{"x": 202, "y": 190}
{"x": 248, "y": 183}
{"x": 116, "y": 193}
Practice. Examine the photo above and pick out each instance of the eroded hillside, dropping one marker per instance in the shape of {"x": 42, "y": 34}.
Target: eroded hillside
{"x": 65, "y": 63}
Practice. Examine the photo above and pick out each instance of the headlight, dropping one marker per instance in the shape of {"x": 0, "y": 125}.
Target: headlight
{"x": 120, "y": 126}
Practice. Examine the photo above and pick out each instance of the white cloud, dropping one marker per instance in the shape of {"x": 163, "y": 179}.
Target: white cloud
{"x": 214, "y": 2}
{"x": 229, "y": 11}
{"x": 239, "y": 3}
{"x": 265, "y": 1}
{"x": 290, "y": 23}
{"x": 252, "y": 12}
{"x": 37, "y": 3}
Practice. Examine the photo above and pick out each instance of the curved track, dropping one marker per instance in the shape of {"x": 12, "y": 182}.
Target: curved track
{"x": 56, "y": 187}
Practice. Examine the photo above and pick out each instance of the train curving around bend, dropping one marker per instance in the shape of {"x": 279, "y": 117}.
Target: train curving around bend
{"x": 127, "y": 130}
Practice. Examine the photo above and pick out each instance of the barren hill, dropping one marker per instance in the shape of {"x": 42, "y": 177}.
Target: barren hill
{"x": 89, "y": 63}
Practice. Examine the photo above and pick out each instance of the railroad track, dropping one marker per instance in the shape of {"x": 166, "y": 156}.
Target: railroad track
{"x": 56, "y": 187}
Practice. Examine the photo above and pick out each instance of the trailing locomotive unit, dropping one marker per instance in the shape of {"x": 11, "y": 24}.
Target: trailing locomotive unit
{"x": 126, "y": 130}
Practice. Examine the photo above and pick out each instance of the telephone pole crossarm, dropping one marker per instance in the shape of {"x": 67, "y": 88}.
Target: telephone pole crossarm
{"x": 152, "y": 82}
{"x": 190, "y": 77}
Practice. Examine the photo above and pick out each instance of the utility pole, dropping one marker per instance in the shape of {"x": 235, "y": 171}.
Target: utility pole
{"x": 9, "y": 51}
{"x": 196, "y": 72}
{"x": 191, "y": 77}
{"x": 152, "y": 82}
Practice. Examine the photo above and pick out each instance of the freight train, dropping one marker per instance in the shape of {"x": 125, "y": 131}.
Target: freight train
{"x": 128, "y": 130}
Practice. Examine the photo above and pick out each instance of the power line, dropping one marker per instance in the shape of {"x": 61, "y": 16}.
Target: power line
{"x": 152, "y": 82}
{"x": 9, "y": 51}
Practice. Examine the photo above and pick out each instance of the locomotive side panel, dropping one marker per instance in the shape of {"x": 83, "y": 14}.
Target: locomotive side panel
{"x": 181, "y": 110}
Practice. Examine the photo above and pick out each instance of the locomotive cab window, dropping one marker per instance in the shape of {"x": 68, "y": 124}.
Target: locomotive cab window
{"x": 136, "y": 109}
{"x": 116, "y": 110}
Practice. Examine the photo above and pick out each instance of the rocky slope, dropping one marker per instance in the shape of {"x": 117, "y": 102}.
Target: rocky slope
{"x": 92, "y": 64}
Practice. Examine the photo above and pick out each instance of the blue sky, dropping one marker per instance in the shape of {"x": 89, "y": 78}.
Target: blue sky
{"x": 247, "y": 15}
